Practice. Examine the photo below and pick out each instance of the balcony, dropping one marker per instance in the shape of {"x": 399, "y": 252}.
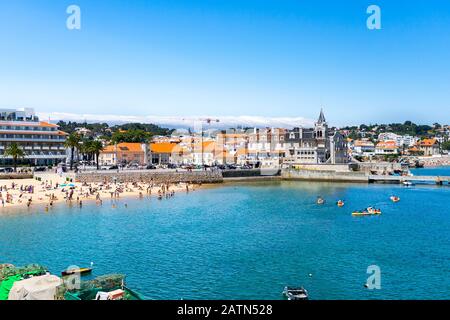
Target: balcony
{"x": 3, "y": 139}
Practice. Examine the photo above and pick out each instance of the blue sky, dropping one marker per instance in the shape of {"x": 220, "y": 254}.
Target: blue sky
{"x": 261, "y": 58}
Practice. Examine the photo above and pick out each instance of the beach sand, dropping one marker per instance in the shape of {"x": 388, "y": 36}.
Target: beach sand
{"x": 55, "y": 189}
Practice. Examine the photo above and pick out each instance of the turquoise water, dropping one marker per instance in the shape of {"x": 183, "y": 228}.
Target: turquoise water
{"x": 249, "y": 240}
{"x": 433, "y": 171}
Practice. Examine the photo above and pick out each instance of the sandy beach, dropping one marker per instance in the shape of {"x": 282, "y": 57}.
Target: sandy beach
{"x": 55, "y": 189}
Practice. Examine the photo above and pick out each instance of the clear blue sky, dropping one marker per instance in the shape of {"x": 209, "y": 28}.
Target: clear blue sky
{"x": 271, "y": 58}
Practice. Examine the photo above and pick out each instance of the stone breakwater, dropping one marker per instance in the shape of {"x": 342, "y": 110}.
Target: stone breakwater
{"x": 194, "y": 177}
{"x": 435, "y": 161}
{"x": 324, "y": 175}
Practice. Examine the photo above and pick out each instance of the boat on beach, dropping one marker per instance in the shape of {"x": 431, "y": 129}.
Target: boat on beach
{"x": 295, "y": 293}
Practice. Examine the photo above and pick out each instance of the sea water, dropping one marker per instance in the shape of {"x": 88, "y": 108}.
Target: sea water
{"x": 249, "y": 240}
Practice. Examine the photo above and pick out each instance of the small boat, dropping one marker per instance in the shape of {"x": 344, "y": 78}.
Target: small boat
{"x": 340, "y": 203}
{"x": 320, "y": 200}
{"x": 368, "y": 212}
{"x": 295, "y": 293}
{"x": 408, "y": 183}
{"x": 394, "y": 199}
{"x": 81, "y": 271}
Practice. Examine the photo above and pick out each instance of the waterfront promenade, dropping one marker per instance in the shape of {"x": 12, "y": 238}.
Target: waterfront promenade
{"x": 440, "y": 180}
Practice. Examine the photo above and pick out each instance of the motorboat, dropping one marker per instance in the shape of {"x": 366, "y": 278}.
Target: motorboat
{"x": 73, "y": 270}
{"x": 340, "y": 203}
{"x": 295, "y": 293}
{"x": 81, "y": 271}
{"x": 395, "y": 198}
{"x": 320, "y": 200}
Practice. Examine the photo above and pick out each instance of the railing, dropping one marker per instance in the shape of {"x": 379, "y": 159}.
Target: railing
{"x": 31, "y": 140}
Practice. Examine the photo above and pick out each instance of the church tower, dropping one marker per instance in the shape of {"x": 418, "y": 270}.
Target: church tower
{"x": 321, "y": 127}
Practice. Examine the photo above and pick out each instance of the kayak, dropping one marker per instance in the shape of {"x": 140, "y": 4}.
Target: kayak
{"x": 369, "y": 212}
{"x": 365, "y": 213}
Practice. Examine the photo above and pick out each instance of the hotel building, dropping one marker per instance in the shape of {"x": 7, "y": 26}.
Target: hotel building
{"x": 42, "y": 142}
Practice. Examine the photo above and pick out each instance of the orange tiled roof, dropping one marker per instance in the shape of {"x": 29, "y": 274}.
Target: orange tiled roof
{"x": 208, "y": 144}
{"x": 231, "y": 135}
{"x": 46, "y": 124}
{"x": 428, "y": 142}
{"x": 164, "y": 147}
{"x": 123, "y": 147}
{"x": 241, "y": 152}
{"x": 360, "y": 143}
{"x": 389, "y": 144}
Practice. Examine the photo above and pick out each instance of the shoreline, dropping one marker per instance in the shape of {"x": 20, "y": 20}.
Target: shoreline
{"x": 30, "y": 193}
{"x": 55, "y": 190}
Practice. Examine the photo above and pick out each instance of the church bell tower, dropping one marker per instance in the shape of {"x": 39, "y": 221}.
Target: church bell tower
{"x": 321, "y": 127}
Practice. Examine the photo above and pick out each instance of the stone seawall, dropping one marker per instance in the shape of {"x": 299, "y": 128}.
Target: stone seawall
{"x": 250, "y": 173}
{"x": 147, "y": 176}
{"x": 332, "y": 176}
{"x": 9, "y": 176}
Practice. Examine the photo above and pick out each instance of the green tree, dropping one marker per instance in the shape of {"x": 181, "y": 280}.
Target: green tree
{"x": 95, "y": 147}
{"x": 72, "y": 142}
{"x": 136, "y": 136}
{"x": 14, "y": 151}
{"x": 445, "y": 145}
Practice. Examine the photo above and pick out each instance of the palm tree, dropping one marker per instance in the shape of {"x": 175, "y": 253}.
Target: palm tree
{"x": 95, "y": 147}
{"x": 15, "y": 152}
{"x": 84, "y": 149}
{"x": 72, "y": 142}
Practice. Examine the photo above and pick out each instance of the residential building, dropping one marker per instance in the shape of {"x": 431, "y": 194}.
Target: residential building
{"x": 42, "y": 142}
{"x": 400, "y": 141}
{"x": 429, "y": 147}
{"x": 388, "y": 147}
{"x": 165, "y": 152}
{"x": 204, "y": 153}
{"x": 266, "y": 147}
{"x": 227, "y": 146}
{"x": 364, "y": 148}
{"x": 124, "y": 154}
